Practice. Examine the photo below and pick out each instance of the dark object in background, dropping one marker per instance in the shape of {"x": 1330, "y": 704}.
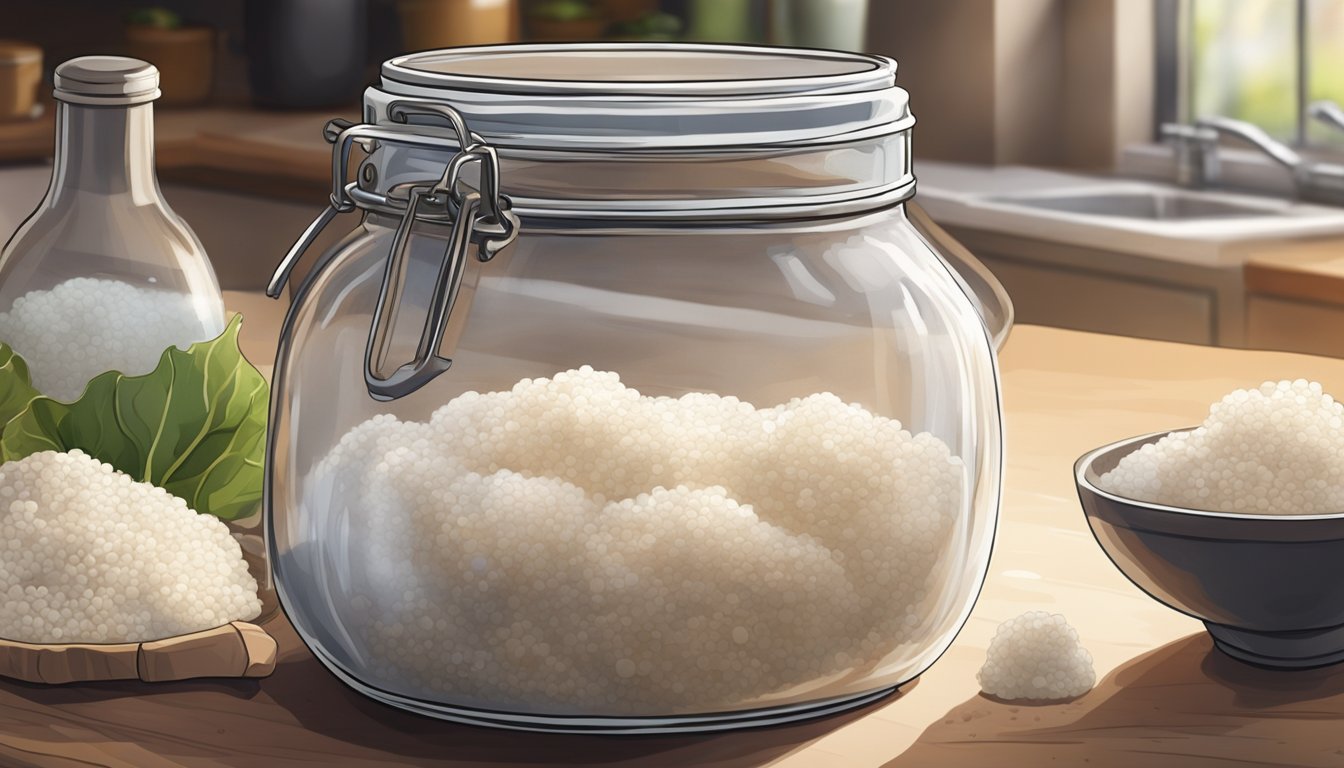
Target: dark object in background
{"x": 305, "y": 54}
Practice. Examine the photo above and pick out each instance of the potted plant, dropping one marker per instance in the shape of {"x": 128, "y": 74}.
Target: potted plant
{"x": 656, "y": 26}
{"x": 20, "y": 78}
{"x": 184, "y": 54}
{"x": 628, "y": 11}
{"x": 835, "y": 24}
{"x": 564, "y": 21}
{"x": 430, "y": 24}
{"x": 722, "y": 21}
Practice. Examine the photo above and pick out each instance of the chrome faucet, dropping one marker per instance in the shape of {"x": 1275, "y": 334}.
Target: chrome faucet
{"x": 1255, "y": 136}
{"x": 1327, "y": 112}
{"x": 1196, "y": 149}
{"x": 1196, "y": 154}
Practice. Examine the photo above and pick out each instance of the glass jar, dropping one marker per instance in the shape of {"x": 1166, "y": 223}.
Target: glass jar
{"x": 783, "y": 507}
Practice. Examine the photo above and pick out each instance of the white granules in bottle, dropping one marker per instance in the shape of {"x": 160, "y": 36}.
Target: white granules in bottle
{"x": 86, "y": 326}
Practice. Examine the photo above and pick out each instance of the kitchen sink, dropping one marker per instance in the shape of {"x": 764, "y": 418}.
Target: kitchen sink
{"x": 1156, "y": 205}
{"x": 1209, "y": 227}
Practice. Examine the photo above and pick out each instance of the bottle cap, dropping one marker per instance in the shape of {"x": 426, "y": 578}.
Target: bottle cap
{"x": 106, "y": 81}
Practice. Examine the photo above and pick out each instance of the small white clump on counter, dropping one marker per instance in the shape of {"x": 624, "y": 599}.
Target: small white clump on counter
{"x": 1276, "y": 450}
{"x": 1036, "y": 656}
{"x": 89, "y": 555}
{"x": 572, "y": 545}
{"x": 86, "y": 326}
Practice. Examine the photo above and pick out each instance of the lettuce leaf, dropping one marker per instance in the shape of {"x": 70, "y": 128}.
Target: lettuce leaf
{"x": 16, "y": 386}
{"x": 194, "y": 426}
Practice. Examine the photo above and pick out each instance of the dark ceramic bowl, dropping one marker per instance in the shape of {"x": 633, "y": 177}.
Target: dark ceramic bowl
{"x": 1270, "y": 589}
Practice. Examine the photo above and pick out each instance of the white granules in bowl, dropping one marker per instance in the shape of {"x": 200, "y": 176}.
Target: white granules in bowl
{"x": 1276, "y": 450}
{"x": 573, "y": 546}
{"x": 88, "y": 555}
{"x": 1036, "y": 656}
{"x": 86, "y": 326}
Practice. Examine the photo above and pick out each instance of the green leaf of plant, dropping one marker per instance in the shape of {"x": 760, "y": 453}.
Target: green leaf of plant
{"x": 194, "y": 426}
{"x": 159, "y": 18}
{"x": 16, "y": 387}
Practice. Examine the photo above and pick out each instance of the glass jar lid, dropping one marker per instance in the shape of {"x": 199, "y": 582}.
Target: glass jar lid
{"x": 574, "y": 134}
{"x": 641, "y": 69}
{"x": 640, "y": 96}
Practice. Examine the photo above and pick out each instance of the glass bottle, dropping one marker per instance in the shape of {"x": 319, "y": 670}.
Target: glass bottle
{"x": 103, "y": 275}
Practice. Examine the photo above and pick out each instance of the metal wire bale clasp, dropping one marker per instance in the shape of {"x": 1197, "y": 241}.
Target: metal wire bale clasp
{"x": 481, "y": 219}
{"x": 496, "y": 226}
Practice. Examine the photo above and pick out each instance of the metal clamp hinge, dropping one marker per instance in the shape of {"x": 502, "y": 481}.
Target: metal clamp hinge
{"x": 481, "y": 218}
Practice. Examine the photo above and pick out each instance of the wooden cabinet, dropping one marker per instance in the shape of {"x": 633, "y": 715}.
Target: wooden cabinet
{"x": 1113, "y": 292}
{"x": 1294, "y": 325}
{"x": 1088, "y": 301}
{"x": 1295, "y": 296}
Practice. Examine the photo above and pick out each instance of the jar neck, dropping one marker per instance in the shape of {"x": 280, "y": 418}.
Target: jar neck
{"x": 700, "y": 185}
{"x": 104, "y": 150}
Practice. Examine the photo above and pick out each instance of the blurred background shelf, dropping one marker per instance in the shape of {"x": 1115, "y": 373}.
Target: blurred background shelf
{"x": 278, "y": 155}
{"x": 235, "y": 52}
{"x": 244, "y": 103}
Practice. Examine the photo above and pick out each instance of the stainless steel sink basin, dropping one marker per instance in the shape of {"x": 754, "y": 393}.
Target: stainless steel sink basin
{"x": 1152, "y": 205}
{"x": 1134, "y": 216}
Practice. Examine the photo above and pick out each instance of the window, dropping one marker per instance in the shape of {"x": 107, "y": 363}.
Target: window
{"x": 1263, "y": 61}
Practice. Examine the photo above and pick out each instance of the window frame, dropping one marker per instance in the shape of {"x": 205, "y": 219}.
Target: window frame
{"x": 1172, "y": 37}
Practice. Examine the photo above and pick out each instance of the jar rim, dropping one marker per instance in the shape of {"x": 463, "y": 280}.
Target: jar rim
{"x": 647, "y": 69}
{"x": 680, "y": 96}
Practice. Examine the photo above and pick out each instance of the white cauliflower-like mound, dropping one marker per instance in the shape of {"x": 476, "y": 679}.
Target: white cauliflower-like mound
{"x": 90, "y": 555}
{"x": 571, "y": 545}
{"x": 1276, "y": 450}
{"x": 1036, "y": 656}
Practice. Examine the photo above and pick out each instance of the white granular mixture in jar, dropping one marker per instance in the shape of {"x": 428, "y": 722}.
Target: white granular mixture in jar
{"x": 573, "y": 546}
{"x": 1036, "y": 656}
{"x": 88, "y": 555}
{"x": 86, "y": 326}
{"x": 1276, "y": 450}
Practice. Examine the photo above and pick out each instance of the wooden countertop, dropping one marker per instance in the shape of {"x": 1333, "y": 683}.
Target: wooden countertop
{"x": 1298, "y": 269}
{"x": 1164, "y": 697}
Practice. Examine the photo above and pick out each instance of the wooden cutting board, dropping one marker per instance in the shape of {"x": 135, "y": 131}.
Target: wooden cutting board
{"x": 237, "y": 649}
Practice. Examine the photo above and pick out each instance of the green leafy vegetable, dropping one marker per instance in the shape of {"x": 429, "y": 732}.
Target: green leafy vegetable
{"x": 194, "y": 426}
{"x": 16, "y": 387}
